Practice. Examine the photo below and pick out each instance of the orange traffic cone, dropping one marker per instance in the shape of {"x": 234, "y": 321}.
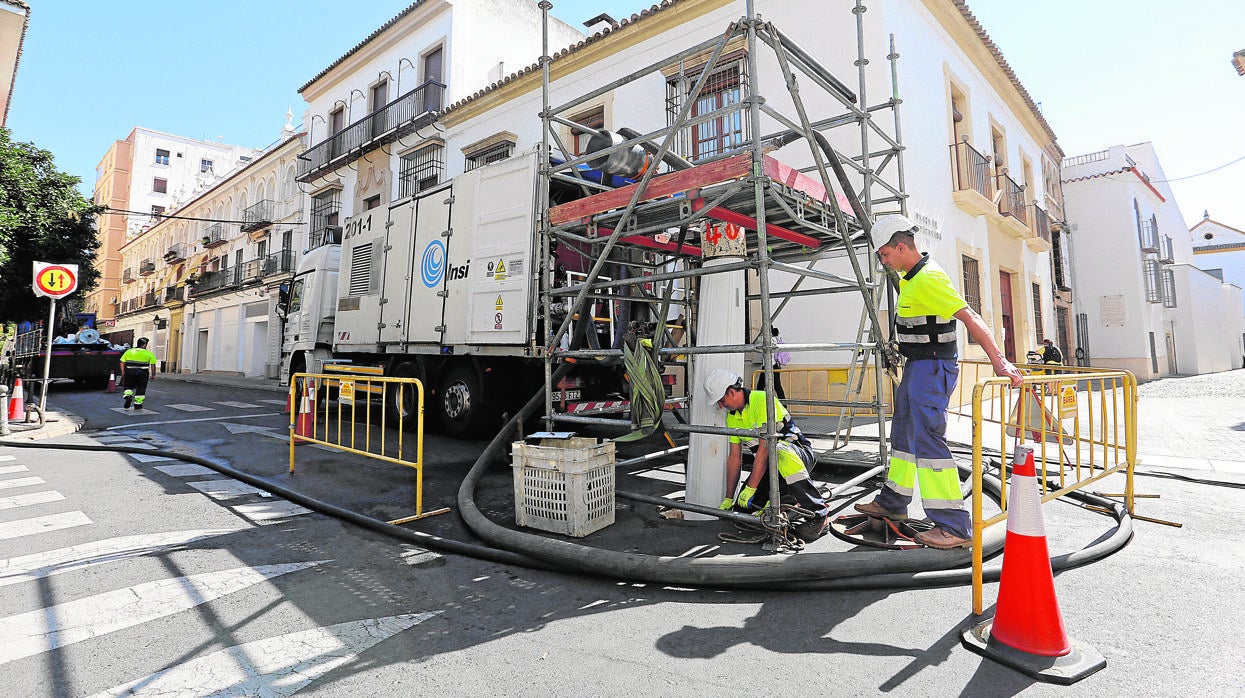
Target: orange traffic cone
{"x": 112, "y": 383}
{"x": 1027, "y": 630}
{"x": 305, "y": 423}
{"x": 17, "y": 402}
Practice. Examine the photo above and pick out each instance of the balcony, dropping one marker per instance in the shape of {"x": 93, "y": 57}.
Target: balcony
{"x": 215, "y": 236}
{"x": 173, "y": 294}
{"x": 127, "y": 276}
{"x": 147, "y": 268}
{"x": 281, "y": 262}
{"x": 1150, "y": 235}
{"x": 1039, "y": 222}
{"x": 175, "y": 254}
{"x": 972, "y": 180}
{"x": 257, "y": 216}
{"x": 412, "y": 110}
{"x": 151, "y": 299}
{"x": 213, "y": 280}
{"x": 1166, "y": 255}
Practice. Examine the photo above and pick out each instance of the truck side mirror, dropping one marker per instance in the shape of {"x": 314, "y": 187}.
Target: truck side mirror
{"x": 283, "y": 300}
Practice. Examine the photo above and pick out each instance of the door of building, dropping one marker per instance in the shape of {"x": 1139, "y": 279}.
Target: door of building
{"x": 1005, "y": 303}
{"x": 1171, "y": 354}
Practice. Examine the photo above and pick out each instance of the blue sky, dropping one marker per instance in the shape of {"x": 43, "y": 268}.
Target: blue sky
{"x": 1104, "y": 71}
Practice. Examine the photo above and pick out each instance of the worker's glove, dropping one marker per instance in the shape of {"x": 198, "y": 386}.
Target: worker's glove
{"x": 727, "y": 504}
{"x": 745, "y": 496}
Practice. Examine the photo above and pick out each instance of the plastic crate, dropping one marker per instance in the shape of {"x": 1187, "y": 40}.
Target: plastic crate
{"x": 564, "y": 485}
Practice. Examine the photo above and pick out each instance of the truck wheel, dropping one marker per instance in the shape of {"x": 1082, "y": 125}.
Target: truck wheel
{"x": 401, "y": 405}
{"x": 460, "y": 402}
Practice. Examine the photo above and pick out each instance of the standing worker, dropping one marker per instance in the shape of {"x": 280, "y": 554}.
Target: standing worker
{"x": 138, "y": 365}
{"x": 1051, "y": 353}
{"x": 746, "y": 410}
{"x": 926, "y": 310}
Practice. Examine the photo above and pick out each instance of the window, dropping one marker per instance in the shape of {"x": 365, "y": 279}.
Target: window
{"x": 1153, "y": 281}
{"x": 1037, "y": 312}
{"x": 579, "y": 138}
{"x": 972, "y": 286}
{"x": 337, "y": 120}
{"x": 1059, "y": 260}
{"x": 223, "y": 261}
{"x": 160, "y": 186}
{"x": 371, "y": 202}
{"x": 1169, "y": 288}
{"x": 420, "y": 170}
{"x": 723, "y": 133}
{"x": 434, "y": 71}
{"x": 493, "y": 153}
{"x": 162, "y": 156}
{"x": 205, "y": 165}
{"x": 998, "y": 147}
{"x": 157, "y": 211}
{"x": 287, "y": 240}
{"x": 380, "y": 95}
{"x": 324, "y": 210}
{"x": 261, "y": 249}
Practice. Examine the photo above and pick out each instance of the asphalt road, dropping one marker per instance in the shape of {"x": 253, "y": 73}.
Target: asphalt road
{"x": 117, "y": 567}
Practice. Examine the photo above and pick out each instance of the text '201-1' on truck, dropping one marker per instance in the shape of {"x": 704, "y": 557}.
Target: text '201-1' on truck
{"x": 443, "y": 286}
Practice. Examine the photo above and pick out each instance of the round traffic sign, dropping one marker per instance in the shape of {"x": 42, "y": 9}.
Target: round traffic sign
{"x": 56, "y": 280}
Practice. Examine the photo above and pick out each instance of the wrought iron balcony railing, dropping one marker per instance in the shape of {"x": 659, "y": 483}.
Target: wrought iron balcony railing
{"x": 971, "y": 170}
{"x": 386, "y": 124}
{"x": 176, "y": 253}
{"x": 146, "y": 268}
{"x": 1012, "y": 203}
{"x": 174, "y": 293}
{"x": 1040, "y": 223}
{"x": 127, "y": 276}
{"x": 257, "y": 216}
{"x": 215, "y": 236}
{"x": 280, "y": 262}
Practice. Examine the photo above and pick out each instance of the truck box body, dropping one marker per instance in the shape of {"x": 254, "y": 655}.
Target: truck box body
{"x": 450, "y": 267}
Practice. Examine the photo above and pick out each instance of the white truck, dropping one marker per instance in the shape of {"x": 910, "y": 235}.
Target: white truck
{"x": 442, "y": 287}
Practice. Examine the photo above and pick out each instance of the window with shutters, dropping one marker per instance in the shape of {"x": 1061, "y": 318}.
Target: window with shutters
{"x": 360, "y": 270}
{"x": 971, "y": 286}
{"x": 421, "y": 170}
{"x": 1037, "y": 312}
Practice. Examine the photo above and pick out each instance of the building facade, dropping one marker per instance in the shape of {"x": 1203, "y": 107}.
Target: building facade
{"x": 1143, "y": 304}
{"x": 147, "y": 174}
{"x": 982, "y": 165}
{"x": 203, "y": 282}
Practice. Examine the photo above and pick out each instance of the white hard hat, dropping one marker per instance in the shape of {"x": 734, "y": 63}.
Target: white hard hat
{"x": 718, "y": 380}
{"x": 886, "y": 226}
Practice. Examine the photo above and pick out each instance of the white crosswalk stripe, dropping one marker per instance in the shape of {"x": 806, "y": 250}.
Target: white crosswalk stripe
{"x": 6, "y": 469}
{"x": 29, "y": 634}
{"x": 20, "y": 482}
{"x": 25, "y": 500}
{"x": 42, "y": 524}
{"x": 133, "y": 412}
{"x": 275, "y": 666}
{"x": 185, "y": 470}
{"x": 187, "y": 407}
{"x": 26, "y": 568}
{"x": 234, "y": 403}
{"x": 5, "y": 459}
{"x": 270, "y": 512}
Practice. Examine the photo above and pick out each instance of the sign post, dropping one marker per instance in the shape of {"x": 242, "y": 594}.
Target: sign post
{"x": 53, "y": 281}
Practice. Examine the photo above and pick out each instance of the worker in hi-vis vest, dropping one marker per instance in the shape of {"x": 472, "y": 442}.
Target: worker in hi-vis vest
{"x": 138, "y": 365}
{"x": 926, "y": 311}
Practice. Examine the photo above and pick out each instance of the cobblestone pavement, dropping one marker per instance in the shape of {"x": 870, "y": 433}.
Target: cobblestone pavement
{"x": 1193, "y": 422}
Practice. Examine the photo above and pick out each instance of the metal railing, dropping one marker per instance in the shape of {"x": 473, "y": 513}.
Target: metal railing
{"x": 1012, "y": 203}
{"x": 176, "y": 253}
{"x": 279, "y": 262}
{"x": 151, "y": 299}
{"x": 971, "y": 170}
{"x": 174, "y": 293}
{"x": 1082, "y": 424}
{"x": 346, "y": 411}
{"x": 127, "y": 276}
{"x": 257, "y": 215}
{"x": 328, "y": 235}
{"x": 1087, "y": 158}
{"x": 213, "y": 280}
{"x": 1166, "y": 254}
{"x": 146, "y": 268}
{"x": 388, "y": 123}
{"x": 1149, "y": 236}
{"x": 1040, "y": 222}
{"x": 215, "y": 236}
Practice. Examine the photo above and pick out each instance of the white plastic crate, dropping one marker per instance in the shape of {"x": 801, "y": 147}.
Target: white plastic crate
{"x": 564, "y": 485}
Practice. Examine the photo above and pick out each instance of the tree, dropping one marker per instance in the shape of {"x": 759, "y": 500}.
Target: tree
{"x": 43, "y": 218}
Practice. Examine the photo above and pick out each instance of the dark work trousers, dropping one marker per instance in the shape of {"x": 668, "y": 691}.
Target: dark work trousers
{"x": 136, "y": 383}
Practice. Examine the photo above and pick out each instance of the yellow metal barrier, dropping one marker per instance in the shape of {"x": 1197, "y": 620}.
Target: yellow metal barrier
{"x": 346, "y": 410}
{"x": 1082, "y": 424}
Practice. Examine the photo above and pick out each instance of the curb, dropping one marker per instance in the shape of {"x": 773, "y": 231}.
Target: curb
{"x": 55, "y": 424}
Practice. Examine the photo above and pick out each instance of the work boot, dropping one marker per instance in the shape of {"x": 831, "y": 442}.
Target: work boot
{"x": 812, "y": 529}
{"x": 138, "y": 405}
{"x": 941, "y": 538}
{"x": 129, "y": 399}
{"x": 875, "y": 509}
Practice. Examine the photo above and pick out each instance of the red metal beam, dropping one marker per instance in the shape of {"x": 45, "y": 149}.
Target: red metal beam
{"x": 728, "y": 216}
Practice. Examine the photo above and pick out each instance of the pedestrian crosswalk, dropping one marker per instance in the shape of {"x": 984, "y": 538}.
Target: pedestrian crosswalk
{"x": 109, "y": 592}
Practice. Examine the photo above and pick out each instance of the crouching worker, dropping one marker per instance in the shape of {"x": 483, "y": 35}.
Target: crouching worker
{"x": 746, "y": 410}
{"x": 138, "y": 365}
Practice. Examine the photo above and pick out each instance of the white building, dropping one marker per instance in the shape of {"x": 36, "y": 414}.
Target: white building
{"x": 1143, "y": 305}
{"x": 961, "y": 104}
{"x": 1219, "y": 249}
{"x": 204, "y": 285}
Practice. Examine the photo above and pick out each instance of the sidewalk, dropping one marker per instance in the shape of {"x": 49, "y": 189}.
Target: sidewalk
{"x": 253, "y": 383}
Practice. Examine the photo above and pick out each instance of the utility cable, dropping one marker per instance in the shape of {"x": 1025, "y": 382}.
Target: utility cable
{"x": 109, "y": 209}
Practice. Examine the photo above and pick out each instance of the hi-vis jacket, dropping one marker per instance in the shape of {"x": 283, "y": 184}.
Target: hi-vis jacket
{"x": 926, "y": 308}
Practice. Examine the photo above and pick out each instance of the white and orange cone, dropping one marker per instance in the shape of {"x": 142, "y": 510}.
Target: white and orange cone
{"x": 17, "y": 401}
{"x": 1027, "y": 632}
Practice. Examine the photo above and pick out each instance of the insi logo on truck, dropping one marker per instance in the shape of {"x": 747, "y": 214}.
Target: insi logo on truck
{"x": 433, "y": 266}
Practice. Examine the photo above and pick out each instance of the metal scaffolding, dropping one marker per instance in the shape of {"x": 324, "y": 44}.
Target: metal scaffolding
{"x": 715, "y": 171}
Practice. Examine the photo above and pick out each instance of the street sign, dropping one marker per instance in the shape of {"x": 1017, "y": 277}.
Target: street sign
{"x": 55, "y": 280}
